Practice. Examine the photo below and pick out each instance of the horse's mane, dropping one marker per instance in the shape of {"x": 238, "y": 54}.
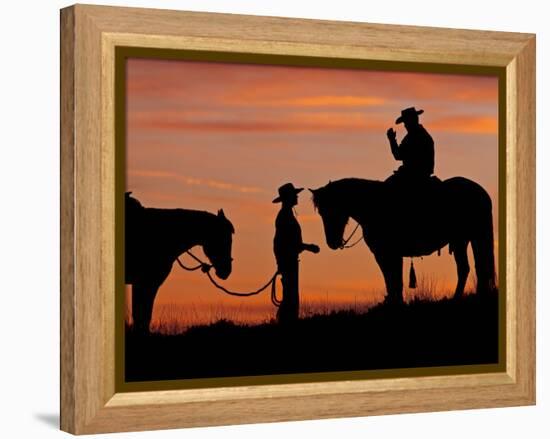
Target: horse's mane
{"x": 135, "y": 205}
{"x": 344, "y": 188}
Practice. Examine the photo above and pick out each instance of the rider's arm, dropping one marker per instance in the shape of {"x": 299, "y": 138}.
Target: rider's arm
{"x": 395, "y": 149}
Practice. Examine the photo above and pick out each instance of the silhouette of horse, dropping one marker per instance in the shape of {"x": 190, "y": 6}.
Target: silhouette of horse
{"x": 459, "y": 213}
{"x": 154, "y": 238}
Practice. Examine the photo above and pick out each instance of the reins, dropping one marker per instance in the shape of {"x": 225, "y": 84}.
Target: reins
{"x": 205, "y": 268}
{"x": 345, "y": 241}
{"x": 188, "y": 268}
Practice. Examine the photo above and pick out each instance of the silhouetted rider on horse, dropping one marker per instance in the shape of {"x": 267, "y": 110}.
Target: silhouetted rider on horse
{"x": 412, "y": 189}
{"x": 416, "y": 150}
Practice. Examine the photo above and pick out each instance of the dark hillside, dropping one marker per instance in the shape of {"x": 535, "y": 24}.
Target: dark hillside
{"x": 422, "y": 333}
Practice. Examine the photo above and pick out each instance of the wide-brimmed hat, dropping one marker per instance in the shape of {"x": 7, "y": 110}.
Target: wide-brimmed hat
{"x": 286, "y": 191}
{"x": 408, "y": 113}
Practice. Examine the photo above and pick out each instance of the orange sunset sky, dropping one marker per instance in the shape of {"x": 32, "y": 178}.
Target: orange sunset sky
{"x": 207, "y": 136}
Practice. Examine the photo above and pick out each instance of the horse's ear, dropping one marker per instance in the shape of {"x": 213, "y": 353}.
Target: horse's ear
{"x": 222, "y": 215}
{"x": 313, "y": 191}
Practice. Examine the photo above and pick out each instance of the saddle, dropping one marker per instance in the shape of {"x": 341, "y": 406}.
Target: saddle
{"x": 416, "y": 206}
{"x": 412, "y": 189}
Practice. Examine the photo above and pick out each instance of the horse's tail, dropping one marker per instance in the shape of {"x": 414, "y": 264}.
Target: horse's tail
{"x": 483, "y": 247}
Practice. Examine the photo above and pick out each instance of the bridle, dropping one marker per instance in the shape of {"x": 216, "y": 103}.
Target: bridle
{"x": 345, "y": 241}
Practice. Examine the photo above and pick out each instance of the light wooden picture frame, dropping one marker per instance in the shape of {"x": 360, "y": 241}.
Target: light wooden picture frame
{"x": 91, "y": 402}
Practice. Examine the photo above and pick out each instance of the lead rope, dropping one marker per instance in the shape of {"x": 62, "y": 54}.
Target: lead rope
{"x": 206, "y": 269}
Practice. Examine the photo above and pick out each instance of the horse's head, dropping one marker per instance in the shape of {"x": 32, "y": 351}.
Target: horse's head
{"x": 217, "y": 246}
{"x": 328, "y": 204}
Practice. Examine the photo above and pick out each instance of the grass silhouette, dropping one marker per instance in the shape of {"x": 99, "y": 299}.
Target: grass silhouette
{"x": 422, "y": 333}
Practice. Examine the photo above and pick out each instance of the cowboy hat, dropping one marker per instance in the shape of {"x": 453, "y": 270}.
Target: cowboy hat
{"x": 407, "y": 113}
{"x": 287, "y": 190}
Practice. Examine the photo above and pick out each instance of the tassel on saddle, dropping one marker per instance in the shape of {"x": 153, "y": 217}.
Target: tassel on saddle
{"x": 412, "y": 276}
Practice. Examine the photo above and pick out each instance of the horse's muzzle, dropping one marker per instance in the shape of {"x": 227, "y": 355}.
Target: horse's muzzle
{"x": 335, "y": 244}
{"x": 223, "y": 274}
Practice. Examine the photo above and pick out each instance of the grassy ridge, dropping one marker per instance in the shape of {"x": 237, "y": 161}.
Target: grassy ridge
{"x": 421, "y": 333}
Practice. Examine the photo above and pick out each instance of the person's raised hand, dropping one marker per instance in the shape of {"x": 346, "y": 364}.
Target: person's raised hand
{"x": 391, "y": 134}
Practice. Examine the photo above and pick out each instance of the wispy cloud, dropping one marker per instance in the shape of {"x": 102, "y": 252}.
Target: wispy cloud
{"x": 332, "y": 101}
{"x": 288, "y": 121}
{"x": 466, "y": 124}
{"x": 194, "y": 181}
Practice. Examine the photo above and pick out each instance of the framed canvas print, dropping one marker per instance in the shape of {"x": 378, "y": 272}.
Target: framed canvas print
{"x": 273, "y": 219}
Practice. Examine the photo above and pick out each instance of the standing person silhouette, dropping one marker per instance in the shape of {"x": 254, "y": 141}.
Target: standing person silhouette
{"x": 416, "y": 150}
{"x": 287, "y": 245}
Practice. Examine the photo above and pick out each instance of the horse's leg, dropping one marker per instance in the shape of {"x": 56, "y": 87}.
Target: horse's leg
{"x": 462, "y": 267}
{"x": 392, "y": 269}
{"x": 484, "y": 263}
{"x": 143, "y": 297}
